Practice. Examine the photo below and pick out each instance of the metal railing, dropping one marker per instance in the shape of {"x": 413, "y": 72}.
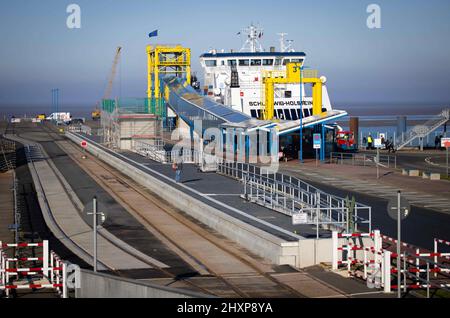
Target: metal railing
{"x": 80, "y": 129}
{"x": 287, "y": 199}
{"x": 417, "y": 274}
{"x": 156, "y": 152}
{"x": 290, "y": 195}
{"x": 358, "y": 159}
{"x": 7, "y": 155}
{"x": 421, "y": 131}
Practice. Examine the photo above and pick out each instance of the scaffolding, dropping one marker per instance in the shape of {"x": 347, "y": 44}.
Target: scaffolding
{"x": 125, "y": 120}
{"x": 166, "y": 60}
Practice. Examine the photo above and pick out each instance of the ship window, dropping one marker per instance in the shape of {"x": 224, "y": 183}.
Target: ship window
{"x": 222, "y": 62}
{"x": 244, "y": 62}
{"x": 287, "y": 94}
{"x": 287, "y": 114}
{"x": 210, "y": 62}
{"x": 253, "y": 113}
{"x": 306, "y": 112}
{"x": 285, "y": 61}
{"x": 280, "y": 114}
{"x": 267, "y": 61}
{"x": 294, "y": 114}
{"x": 296, "y": 60}
{"x": 231, "y": 62}
{"x": 258, "y": 112}
{"x": 278, "y": 62}
{"x": 255, "y": 62}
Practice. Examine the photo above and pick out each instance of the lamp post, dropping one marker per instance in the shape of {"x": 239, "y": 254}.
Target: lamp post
{"x": 95, "y": 213}
{"x": 55, "y": 100}
{"x": 300, "y": 155}
{"x": 399, "y": 209}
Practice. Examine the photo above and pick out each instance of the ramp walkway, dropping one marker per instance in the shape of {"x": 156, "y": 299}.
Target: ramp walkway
{"x": 422, "y": 131}
{"x": 191, "y": 106}
{"x": 63, "y": 217}
{"x": 218, "y": 191}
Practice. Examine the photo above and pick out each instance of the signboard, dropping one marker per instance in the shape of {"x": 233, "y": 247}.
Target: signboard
{"x": 377, "y": 143}
{"x": 445, "y": 142}
{"x": 83, "y": 143}
{"x": 392, "y": 209}
{"x": 317, "y": 141}
{"x": 299, "y": 218}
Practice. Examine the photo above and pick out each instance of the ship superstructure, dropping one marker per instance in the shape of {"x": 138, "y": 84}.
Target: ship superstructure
{"x": 235, "y": 78}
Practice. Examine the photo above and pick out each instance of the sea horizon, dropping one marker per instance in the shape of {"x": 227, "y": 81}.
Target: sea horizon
{"x": 376, "y": 111}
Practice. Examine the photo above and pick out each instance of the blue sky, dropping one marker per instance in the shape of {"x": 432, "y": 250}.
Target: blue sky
{"x": 406, "y": 61}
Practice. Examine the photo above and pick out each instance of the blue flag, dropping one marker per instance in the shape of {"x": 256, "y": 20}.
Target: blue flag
{"x": 154, "y": 33}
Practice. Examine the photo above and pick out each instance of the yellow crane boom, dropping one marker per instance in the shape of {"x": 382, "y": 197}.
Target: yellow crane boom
{"x": 96, "y": 113}
{"x": 113, "y": 74}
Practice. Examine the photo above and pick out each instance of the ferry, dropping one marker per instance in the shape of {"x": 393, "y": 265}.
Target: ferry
{"x": 235, "y": 78}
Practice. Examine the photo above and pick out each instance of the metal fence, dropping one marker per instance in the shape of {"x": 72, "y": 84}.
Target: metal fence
{"x": 358, "y": 159}
{"x": 291, "y": 195}
{"x": 7, "y": 154}
{"x": 80, "y": 129}
{"x": 156, "y": 152}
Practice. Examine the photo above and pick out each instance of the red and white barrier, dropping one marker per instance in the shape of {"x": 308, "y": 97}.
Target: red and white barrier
{"x": 370, "y": 255}
{"x": 55, "y": 273}
{"x": 348, "y": 253}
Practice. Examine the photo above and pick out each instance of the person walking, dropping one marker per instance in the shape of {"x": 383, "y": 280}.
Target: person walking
{"x": 436, "y": 142}
{"x": 177, "y": 167}
{"x": 370, "y": 142}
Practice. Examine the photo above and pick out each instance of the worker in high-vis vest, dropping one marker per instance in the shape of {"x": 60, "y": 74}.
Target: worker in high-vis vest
{"x": 369, "y": 142}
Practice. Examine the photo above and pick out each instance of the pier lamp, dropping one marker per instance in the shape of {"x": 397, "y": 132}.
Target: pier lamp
{"x": 300, "y": 155}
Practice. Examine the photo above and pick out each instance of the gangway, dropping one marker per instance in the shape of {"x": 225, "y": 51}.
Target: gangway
{"x": 422, "y": 131}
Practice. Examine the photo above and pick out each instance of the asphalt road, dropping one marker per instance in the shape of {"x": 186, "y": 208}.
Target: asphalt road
{"x": 428, "y": 161}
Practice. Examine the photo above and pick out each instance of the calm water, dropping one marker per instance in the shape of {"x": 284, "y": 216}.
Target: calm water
{"x": 374, "y": 119}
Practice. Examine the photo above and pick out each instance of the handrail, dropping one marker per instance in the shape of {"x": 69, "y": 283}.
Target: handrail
{"x": 286, "y": 183}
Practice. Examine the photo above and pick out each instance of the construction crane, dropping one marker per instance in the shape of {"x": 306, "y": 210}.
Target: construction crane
{"x": 96, "y": 113}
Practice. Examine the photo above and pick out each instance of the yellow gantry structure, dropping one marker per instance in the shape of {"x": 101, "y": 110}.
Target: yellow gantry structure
{"x": 163, "y": 59}
{"x": 292, "y": 75}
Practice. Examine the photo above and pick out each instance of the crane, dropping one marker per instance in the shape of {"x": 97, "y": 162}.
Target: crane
{"x": 108, "y": 90}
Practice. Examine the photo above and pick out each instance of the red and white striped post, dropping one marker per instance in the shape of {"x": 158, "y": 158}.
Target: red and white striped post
{"x": 435, "y": 249}
{"x": 64, "y": 280}
{"x": 45, "y": 255}
{"x": 334, "y": 247}
{"x": 386, "y": 270}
